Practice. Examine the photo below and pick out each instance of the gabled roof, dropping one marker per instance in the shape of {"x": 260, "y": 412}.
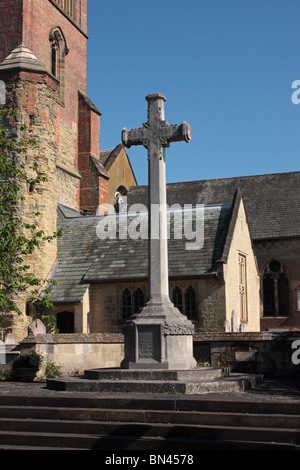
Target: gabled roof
{"x": 272, "y": 202}
{"x": 108, "y": 157}
{"x": 83, "y": 257}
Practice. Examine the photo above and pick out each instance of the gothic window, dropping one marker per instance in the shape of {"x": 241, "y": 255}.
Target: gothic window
{"x": 31, "y": 187}
{"x": 131, "y": 301}
{"x": 243, "y": 287}
{"x": 177, "y": 298}
{"x": 184, "y": 298}
{"x": 138, "y": 296}
{"x": 275, "y": 286}
{"x": 190, "y": 303}
{"x": 126, "y": 303}
{"x": 120, "y": 199}
{"x": 59, "y": 51}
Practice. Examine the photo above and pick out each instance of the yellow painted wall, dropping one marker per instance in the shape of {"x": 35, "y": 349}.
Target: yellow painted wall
{"x": 120, "y": 174}
{"x": 241, "y": 244}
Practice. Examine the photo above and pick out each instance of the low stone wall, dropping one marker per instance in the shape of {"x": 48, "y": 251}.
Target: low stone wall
{"x": 268, "y": 353}
{"x": 76, "y": 352}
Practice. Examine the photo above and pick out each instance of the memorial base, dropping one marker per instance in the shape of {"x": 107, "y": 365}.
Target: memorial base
{"x": 158, "y": 337}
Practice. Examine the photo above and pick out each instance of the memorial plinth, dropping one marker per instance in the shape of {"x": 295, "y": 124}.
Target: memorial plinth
{"x": 158, "y": 336}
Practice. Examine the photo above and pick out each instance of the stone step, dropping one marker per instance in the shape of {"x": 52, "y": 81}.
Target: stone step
{"x": 201, "y": 373}
{"x": 165, "y": 402}
{"x": 86, "y": 421}
{"x": 160, "y": 445}
{"x": 105, "y": 435}
{"x": 233, "y": 383}
{"x": 149, "y": 416}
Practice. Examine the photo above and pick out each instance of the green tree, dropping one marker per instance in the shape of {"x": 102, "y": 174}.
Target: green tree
{"x": 18, "y": 239}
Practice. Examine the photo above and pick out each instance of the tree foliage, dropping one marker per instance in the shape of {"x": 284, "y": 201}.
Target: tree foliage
{"x": 18, "y": 240}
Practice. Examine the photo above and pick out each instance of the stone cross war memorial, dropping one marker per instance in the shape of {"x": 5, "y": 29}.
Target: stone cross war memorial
{"x": 159, "y": 336}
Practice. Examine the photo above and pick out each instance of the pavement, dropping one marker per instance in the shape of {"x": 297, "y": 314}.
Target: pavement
{"x": 272, "y": 390}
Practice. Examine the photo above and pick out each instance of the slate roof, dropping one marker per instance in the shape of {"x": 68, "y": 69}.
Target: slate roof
{"x": 272, "y": 202}
{"x": 83, "y": 257}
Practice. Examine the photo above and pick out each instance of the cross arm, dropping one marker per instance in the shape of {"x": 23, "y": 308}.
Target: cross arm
{"x": 134, "y": 136}
{"x": 175, "y": 132}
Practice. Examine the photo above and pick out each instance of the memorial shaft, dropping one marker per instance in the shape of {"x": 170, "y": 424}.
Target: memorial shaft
{"x": 156, "y": 135}
{"x": 158, "y": 336}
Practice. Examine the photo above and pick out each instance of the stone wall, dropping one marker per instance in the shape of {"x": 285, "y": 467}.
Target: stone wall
{"x": 265, "y": 353}
{"x": 106, "y": 299}
{"x": 75, "y": 352}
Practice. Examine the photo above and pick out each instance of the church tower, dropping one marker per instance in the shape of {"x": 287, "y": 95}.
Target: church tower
{"x": 43, "y": 72}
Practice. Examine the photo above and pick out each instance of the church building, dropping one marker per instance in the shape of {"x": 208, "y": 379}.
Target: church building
{"x": 244, "y": 275}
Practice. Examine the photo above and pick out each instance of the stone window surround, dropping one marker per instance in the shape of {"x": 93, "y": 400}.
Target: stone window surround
{"x": 242, "y": 261}
{"x": 59, "y": 51}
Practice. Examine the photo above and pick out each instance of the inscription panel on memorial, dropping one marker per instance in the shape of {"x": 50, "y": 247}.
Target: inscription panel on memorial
{"x": 149, "y": 342}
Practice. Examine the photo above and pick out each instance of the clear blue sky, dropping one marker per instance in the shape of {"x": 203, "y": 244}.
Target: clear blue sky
{"x": 225, "y": 66}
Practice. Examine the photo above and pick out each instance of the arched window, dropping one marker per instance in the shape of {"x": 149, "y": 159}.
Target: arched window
{"x": 177, "y": 298}
{"x": 65, "y": 322}
{"x": 138, "y": 297}
{"x": 275, "y": 286}
{"x": 190, "y": 303}
{"x": 126, "y": 303}
{"x": 120, "y": 203}
{"x": 59, "y": 51}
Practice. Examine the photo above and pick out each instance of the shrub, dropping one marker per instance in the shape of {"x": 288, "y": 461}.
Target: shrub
{"x": 32, "y": 360}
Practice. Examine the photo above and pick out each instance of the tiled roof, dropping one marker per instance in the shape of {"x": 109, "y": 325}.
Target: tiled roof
{"x": 272, "y": 202}
{"x": 83, "y": 257}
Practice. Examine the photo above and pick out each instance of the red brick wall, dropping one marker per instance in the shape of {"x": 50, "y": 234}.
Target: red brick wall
{"x": 93, "y": 188}
{"x": 30, "y": 22}
{"x": 10, "y": 26}
{"x": 39, "y": 17}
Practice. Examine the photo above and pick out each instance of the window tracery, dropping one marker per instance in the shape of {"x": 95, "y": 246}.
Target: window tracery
{"x": 275, "y": 286}
{"x": 184, "y": 298}
{"x": 59, "y": 51}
